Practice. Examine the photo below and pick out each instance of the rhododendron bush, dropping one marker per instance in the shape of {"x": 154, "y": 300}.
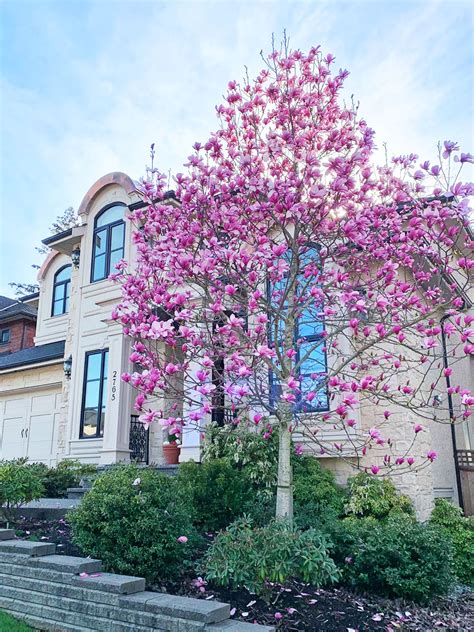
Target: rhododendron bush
{"x": 293, "y": 285}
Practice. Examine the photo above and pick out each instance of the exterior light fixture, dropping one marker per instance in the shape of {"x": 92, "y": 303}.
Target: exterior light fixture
{"x": 75, "y": 257}
{"x": 68, "y": 367}
{"x": 437, "y": 399}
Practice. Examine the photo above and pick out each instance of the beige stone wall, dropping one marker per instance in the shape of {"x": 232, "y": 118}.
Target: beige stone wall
{"x": 15, "y": 381}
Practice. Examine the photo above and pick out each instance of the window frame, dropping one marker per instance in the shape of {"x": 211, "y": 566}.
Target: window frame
{"x": 108, "y": 251}
{"x": 274, "y": 390}
{"x": 66, "y": 296}
{"x": 99, "y": 430}
{"x": 5, "y": 331}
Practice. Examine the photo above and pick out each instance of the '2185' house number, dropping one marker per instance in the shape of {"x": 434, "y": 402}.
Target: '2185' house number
{"x": 114, "y": 384}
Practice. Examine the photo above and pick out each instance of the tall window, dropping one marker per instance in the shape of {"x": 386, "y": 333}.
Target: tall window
{"x": 109, "y": 242}
{"x": 94, "y": 394}
{"x": 308, "y": 341}
{"x": 61, "y": 291}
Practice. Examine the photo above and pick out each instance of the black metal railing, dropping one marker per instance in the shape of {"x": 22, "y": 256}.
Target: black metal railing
{"x": 139, "y": 444}
{"x": 465, "y": 459}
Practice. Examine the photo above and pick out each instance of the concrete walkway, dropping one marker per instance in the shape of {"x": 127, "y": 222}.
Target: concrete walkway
{"x": 48, "y": 508}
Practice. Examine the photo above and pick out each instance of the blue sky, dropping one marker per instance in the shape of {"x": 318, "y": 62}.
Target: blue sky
{"x": 87, "y": 86}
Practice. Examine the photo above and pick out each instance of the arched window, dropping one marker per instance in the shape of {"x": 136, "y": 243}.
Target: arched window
{"x": 61, "y": 291}
{"x": 109, "y": 241}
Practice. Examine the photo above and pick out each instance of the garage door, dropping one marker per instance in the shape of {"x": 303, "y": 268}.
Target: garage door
{"x": 29, "y": 427}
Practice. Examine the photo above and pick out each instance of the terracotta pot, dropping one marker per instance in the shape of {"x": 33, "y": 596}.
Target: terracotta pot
{"x": 171, "y": 453}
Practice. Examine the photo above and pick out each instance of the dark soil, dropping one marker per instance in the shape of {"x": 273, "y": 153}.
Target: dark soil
{"x": 304, "y": 609}
{"x": 298, "y": 607}
{"x": 56, "y": 531}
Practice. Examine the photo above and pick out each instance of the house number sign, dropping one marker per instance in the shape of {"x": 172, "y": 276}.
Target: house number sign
{"x": 114, "y": 384}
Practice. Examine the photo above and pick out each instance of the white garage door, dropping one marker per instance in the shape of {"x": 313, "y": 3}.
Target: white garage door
{"x": 28, "y": 427}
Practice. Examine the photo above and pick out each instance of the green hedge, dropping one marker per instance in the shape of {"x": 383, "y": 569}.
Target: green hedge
{"x": 132, "y": 519}
{"x": 397, "y": 557}
{"x": 460, "y": 531}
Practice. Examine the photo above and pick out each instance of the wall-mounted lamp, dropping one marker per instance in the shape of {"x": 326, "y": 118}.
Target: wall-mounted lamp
{"x": 437, "y": 401}
{"x": 76, "y": 257}
{"x": 68, "y": 367}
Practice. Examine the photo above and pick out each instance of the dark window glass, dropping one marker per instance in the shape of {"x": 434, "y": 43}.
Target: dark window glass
{"x": 109, "y": 242}
{"x": 61, "y": 291}
{"x": 94, "y": 394}
{"x": 4, "y": 336}
{"x": 309, "y": 331}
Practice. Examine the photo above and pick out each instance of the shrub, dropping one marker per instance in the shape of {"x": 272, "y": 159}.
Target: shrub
{"x": 374, "y": 497}
{"x": 318, "y": 499}
{"x": 132, "y": 519}
{"x": 245, "y": 449}
{"x": 66, "y": 474}
{"x": 395, "y": 558}
{"x": 20, "y": 483}
{"x": 219, "y": 493}
{"x": 250, "y": 556}
{"x": 460, "y": 531}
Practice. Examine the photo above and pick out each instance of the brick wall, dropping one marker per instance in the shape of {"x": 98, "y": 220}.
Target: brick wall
{"x": 22, "y": 334}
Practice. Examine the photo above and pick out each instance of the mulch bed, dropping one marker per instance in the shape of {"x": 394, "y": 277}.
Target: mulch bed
{"x": 56, "y": 531}
{"x": 299, "y": 607}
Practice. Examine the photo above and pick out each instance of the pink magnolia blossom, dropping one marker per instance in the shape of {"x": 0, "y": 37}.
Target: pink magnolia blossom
{"x": 298, "y": 277}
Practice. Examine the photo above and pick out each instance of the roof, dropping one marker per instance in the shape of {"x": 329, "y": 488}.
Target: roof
{"x": 29, "y": 297}
{"x": 57, "y": 236}
{"x": 5, "y": 301}
{"x": 33, "y": 355}
{"x": 12, "y": 308}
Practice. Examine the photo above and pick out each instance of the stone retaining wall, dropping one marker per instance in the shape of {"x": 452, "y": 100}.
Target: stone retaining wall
{"x": 71, "y": 594}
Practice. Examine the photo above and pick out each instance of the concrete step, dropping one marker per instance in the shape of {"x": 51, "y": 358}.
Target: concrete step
{"x": 71, "y": 620}
{"x": 53, "y": 582}
{"x": 89, "y": 611}
{"x": 67, "y": 564}
{"x": 179, "y": 607}
{"x": 46, "y": 624}
{"x": 77, "y": 493}
{"x": 20, "y": 567}
{"x": 7, "y": 534}
{"x": 48, "y": 588}
{"x": 111, "y": 582}
{"x": 25, "y": 547}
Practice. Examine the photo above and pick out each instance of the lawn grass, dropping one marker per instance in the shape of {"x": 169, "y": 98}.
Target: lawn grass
{"x": 9, "y": 624}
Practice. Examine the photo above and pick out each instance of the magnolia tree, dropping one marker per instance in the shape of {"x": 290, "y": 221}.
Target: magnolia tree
{"x": 294, "y": 285}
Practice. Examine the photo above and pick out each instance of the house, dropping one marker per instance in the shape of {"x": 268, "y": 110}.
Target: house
{"x": 64, "y": 397}
{"x": 17, "y": 323}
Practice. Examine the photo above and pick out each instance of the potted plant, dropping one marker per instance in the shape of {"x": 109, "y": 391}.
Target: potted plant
{"x": 171, "y": 449}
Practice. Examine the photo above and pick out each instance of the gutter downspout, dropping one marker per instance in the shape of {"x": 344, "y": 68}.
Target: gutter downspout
{"x": 451, "y": 414}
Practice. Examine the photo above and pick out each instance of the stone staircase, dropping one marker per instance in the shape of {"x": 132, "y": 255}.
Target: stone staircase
{"x": 72, "y": 594}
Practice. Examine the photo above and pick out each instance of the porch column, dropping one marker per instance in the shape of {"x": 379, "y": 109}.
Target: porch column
{"x": 115, "y": 447}
{"x": 191, "y": 439}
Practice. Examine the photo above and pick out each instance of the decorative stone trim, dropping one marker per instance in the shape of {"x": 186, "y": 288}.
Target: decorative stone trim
{"x": 71, "y": 594}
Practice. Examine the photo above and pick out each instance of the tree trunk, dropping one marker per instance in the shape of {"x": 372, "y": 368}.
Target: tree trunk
{"x": 284, "y": 502}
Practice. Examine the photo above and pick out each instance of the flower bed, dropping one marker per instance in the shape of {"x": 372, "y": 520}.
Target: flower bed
{"x": 302, "y": 608}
